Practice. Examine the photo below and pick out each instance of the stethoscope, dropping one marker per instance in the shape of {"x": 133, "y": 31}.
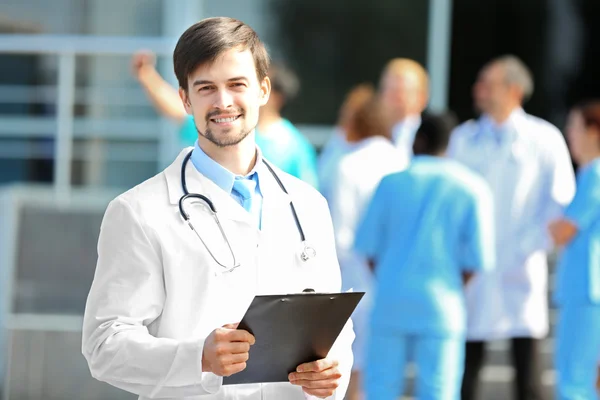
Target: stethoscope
{"x": 307, "y": 253}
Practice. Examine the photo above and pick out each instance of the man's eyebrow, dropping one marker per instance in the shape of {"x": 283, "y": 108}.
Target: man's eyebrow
{"x": 238, "y": 78}
{"x": 201, "y": 82}
{"x": 207, "y": 82}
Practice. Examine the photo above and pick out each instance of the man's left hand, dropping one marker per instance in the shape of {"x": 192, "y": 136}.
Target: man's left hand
{"x": 319, "y": 378}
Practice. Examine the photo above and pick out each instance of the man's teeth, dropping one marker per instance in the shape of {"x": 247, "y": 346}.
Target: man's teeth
{"x": 224, "y": 120}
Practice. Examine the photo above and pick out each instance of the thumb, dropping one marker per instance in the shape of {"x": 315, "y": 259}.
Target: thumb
{"x": 231, "y": 326}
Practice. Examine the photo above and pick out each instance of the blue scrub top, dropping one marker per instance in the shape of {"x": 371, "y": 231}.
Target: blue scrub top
{"x": 284, "y": 146}
{"x": 578, "y": 275}
{"x": 287, "y": 148}
{"x": 423, "y": 227}
{"x": 187, "y": 132}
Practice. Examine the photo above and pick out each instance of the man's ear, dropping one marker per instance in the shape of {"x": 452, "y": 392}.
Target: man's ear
{"x": 265, "y": 91}
{"x": 517, "y": 93}
{"x": 185, "y": 99}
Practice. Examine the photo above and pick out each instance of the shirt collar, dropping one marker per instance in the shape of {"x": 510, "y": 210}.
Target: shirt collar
{"x": 407, "y": 128}
{"x": 513, "y": 120}
{"x": 220, "y": 175}
{"x": 411, "y": 121}
{"x": 510, "y": 127}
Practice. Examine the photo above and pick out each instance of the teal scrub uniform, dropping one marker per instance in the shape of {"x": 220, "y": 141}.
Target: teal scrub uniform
{"x": 423, "y": 228}
{"x": 577, "y": 294}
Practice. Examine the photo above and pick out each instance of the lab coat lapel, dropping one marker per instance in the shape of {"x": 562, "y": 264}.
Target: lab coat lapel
{"x": 225, "y": 205}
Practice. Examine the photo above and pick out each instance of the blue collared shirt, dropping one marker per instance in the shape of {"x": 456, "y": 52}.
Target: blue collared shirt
{"x": 224, "y": 178}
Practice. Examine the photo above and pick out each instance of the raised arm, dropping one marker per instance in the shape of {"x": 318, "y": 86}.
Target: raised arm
{"x": 164, "y": 97}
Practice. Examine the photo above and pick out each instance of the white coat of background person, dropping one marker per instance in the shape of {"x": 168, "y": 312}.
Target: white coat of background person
{"x": 526, "y": 162}
{"x": 358, "y": 173}
{"x": 161, "y": 315}
{"x": 404, "y": 89}
{"x": 338, "y": 145}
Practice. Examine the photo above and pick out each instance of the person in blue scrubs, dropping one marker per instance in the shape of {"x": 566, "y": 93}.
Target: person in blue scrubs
{"x": 280, "y": 141}
{"x": 577, "y": 294}
{"x": 427, "y": 230}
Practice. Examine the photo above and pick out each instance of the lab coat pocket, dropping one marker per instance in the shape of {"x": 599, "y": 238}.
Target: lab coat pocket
{"x": 208, "y": 259}
{"x": 526, "y": 273}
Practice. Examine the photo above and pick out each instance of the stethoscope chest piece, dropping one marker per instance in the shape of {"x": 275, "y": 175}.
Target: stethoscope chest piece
{"x": 308, "y": 252}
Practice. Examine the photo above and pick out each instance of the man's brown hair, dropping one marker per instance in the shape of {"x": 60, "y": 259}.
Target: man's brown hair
{"x": 206, "y": 40}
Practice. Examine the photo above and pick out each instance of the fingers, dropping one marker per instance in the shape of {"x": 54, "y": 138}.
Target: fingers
{"x": 319, "y": 378}
{"x": 230, "y": 358}
{"x": 331, "y": 373}
{"x": 222, "y": 349}
{"x": 229, "y": 369}
{"x": 321, "y": 384}
{"x": 234, "y": 335}
{"x": 318, "y": 366}
{"x": 231, "y": 326}
{"x": 234, "y": 358}
{"x": 320, "y": 393}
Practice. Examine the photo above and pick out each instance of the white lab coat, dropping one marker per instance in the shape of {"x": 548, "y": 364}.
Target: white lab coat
{"x": 354, "y": 181}
{"x": 531, "y": 176}
{"x": 334, "y": 149}
{"x": 157, "y": 294}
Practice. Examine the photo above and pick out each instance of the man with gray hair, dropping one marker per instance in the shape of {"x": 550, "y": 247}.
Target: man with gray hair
{"x": 526, "y": 162}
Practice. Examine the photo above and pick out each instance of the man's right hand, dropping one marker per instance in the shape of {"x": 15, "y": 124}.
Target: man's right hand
{"x": 226, "y": 350}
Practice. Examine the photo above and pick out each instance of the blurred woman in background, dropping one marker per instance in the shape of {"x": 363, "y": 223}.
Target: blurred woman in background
{"x": 577, "y": 294}
{"x": 337, "y": 145}
{"x": 370, "y": 156}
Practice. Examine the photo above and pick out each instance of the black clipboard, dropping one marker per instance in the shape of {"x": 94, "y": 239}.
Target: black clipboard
{"x": 291, "y": 330}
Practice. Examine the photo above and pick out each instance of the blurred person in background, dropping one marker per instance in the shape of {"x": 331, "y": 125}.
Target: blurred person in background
{"x": 577, "y": 293}
{"x": 163, "y": 96}
{"x": 526, "y": 162}
{"x": 404, "y": 88}
{"x": 338, "y": 145}
{"x": 356, "y": 177}
{"x": 425, "y": 232}
{"x": 280, "y": 142}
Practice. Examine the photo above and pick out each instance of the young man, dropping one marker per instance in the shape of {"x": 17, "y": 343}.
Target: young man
{"x": 426, "y": 231}
{"x": 279, "y": 140}
{"x": 161, "y": 316}
{"x": 526, "y": 163}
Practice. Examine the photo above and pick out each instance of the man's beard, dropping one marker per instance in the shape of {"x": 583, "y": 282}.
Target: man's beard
{"x": 224, "y": 139}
